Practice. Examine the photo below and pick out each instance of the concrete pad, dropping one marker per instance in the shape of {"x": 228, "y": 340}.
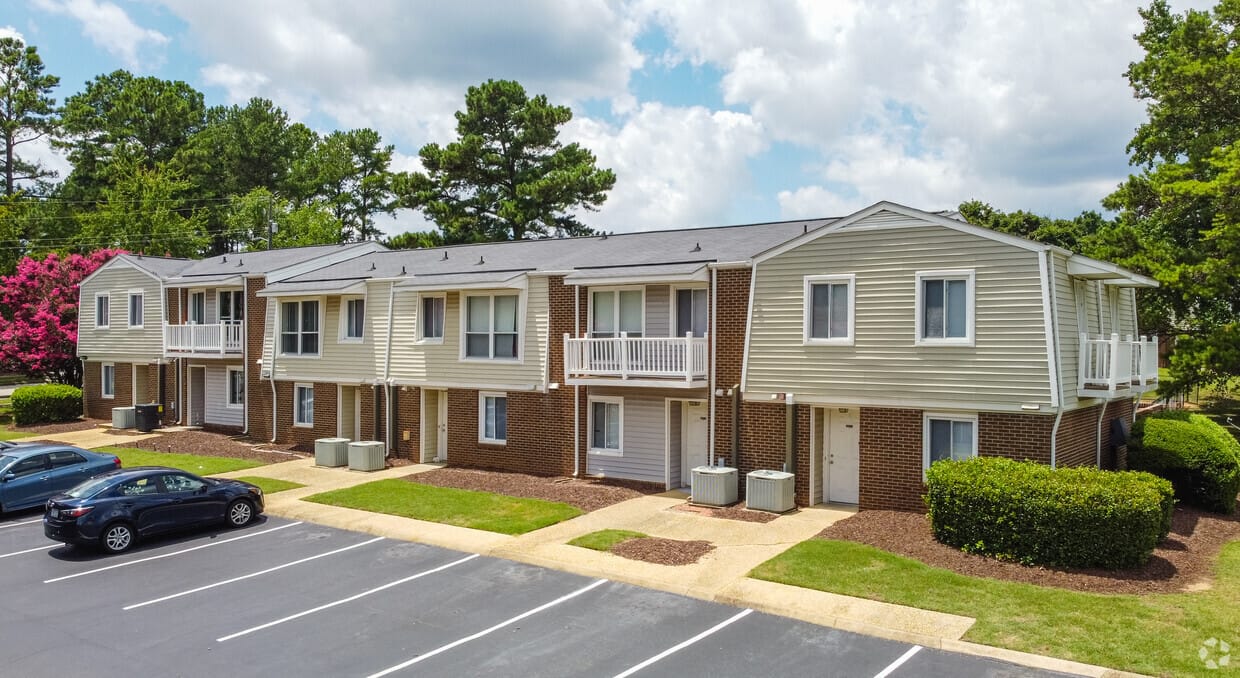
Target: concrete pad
{"x": 93, "y": 438}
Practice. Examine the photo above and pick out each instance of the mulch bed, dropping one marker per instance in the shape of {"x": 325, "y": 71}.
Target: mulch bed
{"x": 587, "y": 494}
{"x": 1183, "y": 561}
{"x": 734, "y": 512}
{"x": 663, "y": 551}
{"x": 211, "y": 445}
{"x": 63, "y": 427}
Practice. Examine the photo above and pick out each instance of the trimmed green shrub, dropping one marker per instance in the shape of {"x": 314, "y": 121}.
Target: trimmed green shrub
{"x": 1034, "y": 514}
{"x": 1198, "y": 456}
{"x": 46, "y": 403}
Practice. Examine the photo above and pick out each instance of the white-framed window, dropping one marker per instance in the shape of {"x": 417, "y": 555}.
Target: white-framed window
{"x": 431, "y": 317}
{"x": 107, "y": 380}
{"x": 945, "y": 307}
{"x": 617, "y": 310}
{"x": 136, "y": 304}
{"x": 692, "y": 316}
{"x": 948, "y": 436}
{"x": 303, "y": 405}
{"x": 491, "y": 326}
{"x": 606, "y": 425}
{"x": 103, "y": 311}
{"x": 196, "y": 312}
{"x": 232, "y": 306}
{"x": 493, "y": 418}
{"x": 299, "y": 327}
{"x": 352, "y": 318}
{"x": 235, "y": 385}
{"x": 830, "y": 309}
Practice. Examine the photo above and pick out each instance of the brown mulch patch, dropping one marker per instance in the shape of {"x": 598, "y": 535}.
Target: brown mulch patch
{"x": 734, "y": 512}
{"x": 663, "y": 551}
{"x": 211, "y": 445}
{"x": 587, "y": 494}
{"x": 1183, "y": 561}
{"x": 62, "y": 427}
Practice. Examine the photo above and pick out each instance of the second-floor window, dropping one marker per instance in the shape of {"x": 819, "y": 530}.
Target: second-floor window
{"x": 829, "y": 309}
{"x": 431, "y": 322}
{"x": 232, "y": 306}
{"x": 491, "y": 326}
{"x": 299, "y": 327}
{"x": 354, "y": 318}
{"x": 691, "y": 314}
{"x": 945, "y": 307}
{"x": 615, "y": 311}
{"x": 135, "y": 309}
{"x": 103, "y": 312}
{"x": 197, "y": 308}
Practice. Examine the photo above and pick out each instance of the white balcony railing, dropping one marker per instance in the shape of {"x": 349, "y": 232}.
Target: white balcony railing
{"x": 214, "y": 338}
{"x": 1112, "y": 364}
{"x": 626, "y": 357}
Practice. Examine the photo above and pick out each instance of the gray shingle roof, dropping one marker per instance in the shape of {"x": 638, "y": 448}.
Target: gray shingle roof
{"x": 260, "y": 261}
{"x": 162, "y": 267}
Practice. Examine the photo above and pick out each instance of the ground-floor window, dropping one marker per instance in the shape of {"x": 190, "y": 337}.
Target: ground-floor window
{"x": 606, "y": 415}
{"x": 107, "y": 381}
{"x": 948, "y": 436}
{"x": 303, "y": 405}
{"x": 236, "y": 387}
{"x": 492, "y": 418}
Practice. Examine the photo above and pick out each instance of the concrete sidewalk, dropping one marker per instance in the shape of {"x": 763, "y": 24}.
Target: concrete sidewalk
{"x": 91, "y": 438}
{"x": 719, "y": 576}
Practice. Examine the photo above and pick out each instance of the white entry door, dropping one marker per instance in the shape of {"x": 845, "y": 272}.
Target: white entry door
{"x": 841, "y": 464}
{"x": 434, "y": 425}
{"x": 692, "y": 439}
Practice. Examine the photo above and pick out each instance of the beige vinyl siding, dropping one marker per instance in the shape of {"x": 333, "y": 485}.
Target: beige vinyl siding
{"x": 1068, "y": 329}
{"x": 348, "y": 362}
{"x": 216, "y": 410}
{"x": 415, "y": 362}
{"x": 1007, "y": 366}
{"x": 658, "y": 315}
{"x": 118, "y": 340}
{"x": 269, "y": 339}
{"x": 644, "y": 449}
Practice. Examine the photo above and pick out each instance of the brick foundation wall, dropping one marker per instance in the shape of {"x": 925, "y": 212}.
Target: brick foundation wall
{"x": 536, "y": 444}
{"x": 1015, "y": 436}
{"x": 408, "y": 419}
{"x": 367, "y": 394}
{"x": 324, "y": 416}
{"x": 93, "y": 406}
{"x": 170, "y": 391}
{"x": 891, "y": 459}
{"x": 257, "y": 389}
{"x": 1078, "y": 435}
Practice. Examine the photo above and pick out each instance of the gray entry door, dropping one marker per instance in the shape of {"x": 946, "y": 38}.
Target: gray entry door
{"x": 197, "y": 395}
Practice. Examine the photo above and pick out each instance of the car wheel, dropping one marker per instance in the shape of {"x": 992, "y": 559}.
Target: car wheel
{"x": 116, "y": 538}
{"x": 240, "y": 513}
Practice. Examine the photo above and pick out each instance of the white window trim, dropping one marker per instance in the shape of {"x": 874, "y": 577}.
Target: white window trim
{"x": 673, "y": 311}
{"x": 228, "y": 372}
{"x": 464, "y": 315}
{"x": 604, "y": 451}
{"x": 302, "y": 424}
{"x": 482, "y": 417}
{"x": 108, "y": 305}
{"x": 219, "y": 305}
{"x": 342, "y": 336}
{"x": 966, "y": 274}
{"x": 103, "y": 382}
{"x": 433, "y": 340}
{"x": 189, "y": 307}
{"x": 279, "y": 328}
{"x": 926, "y": 417}
{"x": 129, "y": 309}
{"x": 807, "y": 309}
{"x": 616, "y": 290}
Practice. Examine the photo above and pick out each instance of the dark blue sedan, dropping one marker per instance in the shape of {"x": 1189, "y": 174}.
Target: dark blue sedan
{"x": 115, "y": 509}
{"x": 32, "y": 472}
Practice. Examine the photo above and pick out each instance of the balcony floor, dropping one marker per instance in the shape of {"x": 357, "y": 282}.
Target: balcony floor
{"x": 637, "y": 382}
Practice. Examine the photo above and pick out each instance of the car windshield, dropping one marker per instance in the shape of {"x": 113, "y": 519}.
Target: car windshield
{"x": 89, "y": 488}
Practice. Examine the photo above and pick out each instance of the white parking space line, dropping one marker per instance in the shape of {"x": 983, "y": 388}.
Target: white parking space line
{"x": 250, "y": 575}
{"x": 342, "y": 601}
{"x": 37, "y": 548}
{"x": 897, "y": 663}
{"x": 676, "y": 648}
{"x": 24, "y": 522}
{"x": 507, "y": 622}
{"x": 169, "y": 555}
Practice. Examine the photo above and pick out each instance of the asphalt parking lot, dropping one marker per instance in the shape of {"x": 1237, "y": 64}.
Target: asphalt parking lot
{"x": 282, "y": 598}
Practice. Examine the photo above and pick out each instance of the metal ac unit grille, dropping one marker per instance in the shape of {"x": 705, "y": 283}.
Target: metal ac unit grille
{"x": 714, "y": 485}
{"x": 770, "y": 491}
{"x": 124, "y": 417}
{"x": 366, "y": 456}
{"x": 331, "y": 451}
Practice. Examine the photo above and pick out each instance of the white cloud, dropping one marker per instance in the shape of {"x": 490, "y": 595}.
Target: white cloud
{"x": 10, "y": 32}
{"x": 108, "y": 26}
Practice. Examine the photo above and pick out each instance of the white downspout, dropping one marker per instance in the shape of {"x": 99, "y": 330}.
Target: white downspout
{"x": 1058, "y": 358}
{"x": 1101, "y": 414}
{"x": 576, "y": 388}
{"x": 387, "y": 369}
{"x": 274, "y": 400}
{"x": 714, "y": 345}
{"x": 245, "y": 356}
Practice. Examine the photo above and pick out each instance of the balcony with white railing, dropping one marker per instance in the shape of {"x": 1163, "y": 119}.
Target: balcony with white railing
{"x": 677, "y": 362}
{"x": 204, "y": 340}
{"x": 1112, "y": 366}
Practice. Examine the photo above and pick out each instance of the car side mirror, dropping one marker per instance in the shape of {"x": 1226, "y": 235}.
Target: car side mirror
{"x": 7, "y": 477}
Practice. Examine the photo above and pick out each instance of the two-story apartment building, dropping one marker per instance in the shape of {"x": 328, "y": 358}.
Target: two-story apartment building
{"x": 853, "y": 351}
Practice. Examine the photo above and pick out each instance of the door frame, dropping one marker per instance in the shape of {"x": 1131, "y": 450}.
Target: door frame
{"x": 189, "y": 394}
{"x": 441, "y": 433}
{"x": 357, "y": 412}
{"x": 823, "y": 437}
{"x": 133, "y": 383}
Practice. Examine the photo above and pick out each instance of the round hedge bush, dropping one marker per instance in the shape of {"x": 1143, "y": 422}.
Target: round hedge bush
{"x": 1198, "y": 456}
{"x": 46, "y": 403}
{"x": 1033, "y": 514}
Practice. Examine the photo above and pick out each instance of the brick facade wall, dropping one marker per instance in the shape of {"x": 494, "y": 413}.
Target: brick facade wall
{"x": 302, "y": 437}
{"x": 1015, "y": 436}
{"x": 372, "y": 398}
{"x": 92, "y": 405}
{"x": 891, "y": 459}
{"x": 408, "y": 420}
{"x": 728, "y": 350}
{"x": 536, "y": 442}
{"x": 257, "y": 389}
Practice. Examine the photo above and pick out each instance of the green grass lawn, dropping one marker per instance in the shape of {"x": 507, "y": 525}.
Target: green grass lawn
{"x": 1152, "y": 634}
{"x": 465, "y": 508}
{"x": 271, "y": 485}
{"x": 603, "y": 540}
{"x": 203, "y": 466}
{"x": 6, "y": 420}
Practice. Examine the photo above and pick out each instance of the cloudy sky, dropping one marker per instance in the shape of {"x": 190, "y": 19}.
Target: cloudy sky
{"x": 710, "y": 112}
